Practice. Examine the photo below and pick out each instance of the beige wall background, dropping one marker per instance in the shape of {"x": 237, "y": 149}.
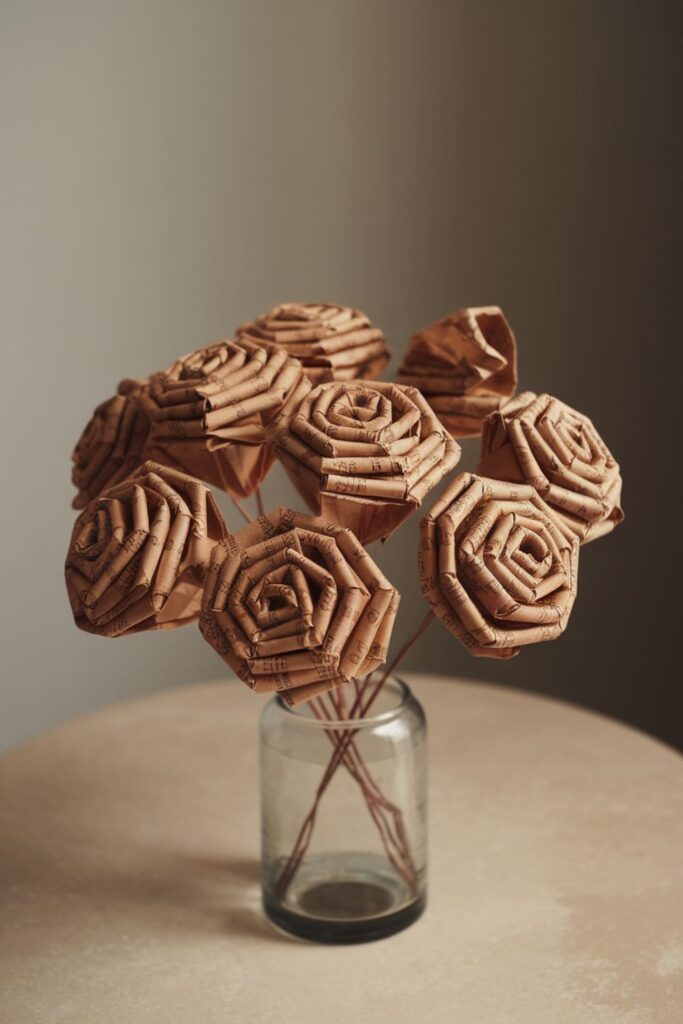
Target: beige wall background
{"x": 171, "y": 168}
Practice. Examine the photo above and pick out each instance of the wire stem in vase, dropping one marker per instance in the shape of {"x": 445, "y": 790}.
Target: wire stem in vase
{"x": 387, "y": 816}
{"x": 375, "y": 792}
{"x": 408, "y": 645}
{"x": 358, "y": 710}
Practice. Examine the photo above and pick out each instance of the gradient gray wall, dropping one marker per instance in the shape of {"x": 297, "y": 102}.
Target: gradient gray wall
{"x": 169, "y": 169}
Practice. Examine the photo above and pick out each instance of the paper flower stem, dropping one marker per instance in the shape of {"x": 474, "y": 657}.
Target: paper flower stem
{"x": 373, "y": 790}
{"x": 386, "y": 815}
{"x": 408, "y": 645}
{"x": 259, "y": 502}
{"x": 359, "y": 709}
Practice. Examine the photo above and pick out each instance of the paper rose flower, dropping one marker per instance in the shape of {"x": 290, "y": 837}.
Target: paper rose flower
{"x": 213, "y": 412}
{"x": 497, "y": 566}
{"x": 139, "y": 553}
{"x": 464, "y": 365}
{"x": 113, "y": 444}
{"x": 294, "y": 604}
{"x": 364, "y": 455}
{"x": 332, "y": 342}
{"x": 538, "y": 440}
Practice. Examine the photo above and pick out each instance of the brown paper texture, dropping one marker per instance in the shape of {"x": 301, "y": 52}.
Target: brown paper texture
{"x": 538, "y": 440}
{"x": 114, "y": 443}
{"x": 140, "y": 552}
{"x": 497, "y": 565}
{"x": 297, "y": 605}
{"x": 213, "y": 412}
{"x": 364, "y": 454}
{"x": 332, "y": 342}
{"x": 464, "y": 365}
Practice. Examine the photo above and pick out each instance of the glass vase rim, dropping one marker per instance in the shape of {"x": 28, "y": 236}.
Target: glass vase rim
{"x": 368, "y": 721}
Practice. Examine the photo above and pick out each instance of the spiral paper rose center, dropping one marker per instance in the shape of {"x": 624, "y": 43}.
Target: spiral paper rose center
{"x": 369, "y": 411}
{"x": 563, "y": 448}
{"x": 376, "y": 421}
{"x": 290, "y": 605}
{"x": 510, "y": 562}
{"x": 285, "y": 599}
{"x": 497, "y": 566}
{"x": 219, "y": 391}
{"x": 298, "y": 606}
{"x": 366, "y": 408}
{"x": 139, "y": 552}
{"x": 365, "y": 454}
{"x": 558, "y": 451}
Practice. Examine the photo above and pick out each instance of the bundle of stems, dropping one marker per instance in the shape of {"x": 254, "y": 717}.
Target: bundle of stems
{"x": 387, "y": 816}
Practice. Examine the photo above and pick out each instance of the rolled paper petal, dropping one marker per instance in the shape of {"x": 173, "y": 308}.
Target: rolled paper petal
{"x": 114, "y": 443}
{"x": 497, "y": 565}
{"x": 332, "y": 342}
{"x": 294, "y": 604}
{"x": 464, "y": 365}
{"x": 140, "y": 552}
{"x": 538, "y": 440}
{"x": 364, "y": 454}
{"x": 215, "y": 411}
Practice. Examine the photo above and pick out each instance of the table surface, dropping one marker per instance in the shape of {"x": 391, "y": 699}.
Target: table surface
{"x": 130, "y": 875}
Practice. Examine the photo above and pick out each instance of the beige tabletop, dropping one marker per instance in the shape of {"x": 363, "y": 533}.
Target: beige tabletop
{"x": 130, "y": 876}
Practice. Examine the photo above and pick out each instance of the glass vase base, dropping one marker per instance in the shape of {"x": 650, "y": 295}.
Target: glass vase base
{"x": 344, "y": 900}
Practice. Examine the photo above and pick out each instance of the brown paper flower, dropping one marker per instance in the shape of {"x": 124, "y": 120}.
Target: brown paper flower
{"x": 364, "y": 455}
{"x": 333, "y": 342}
{"x": 541, "y": 441}
{"x": 139, "y": 553}
{"x": 464, "y": 365}
{"x": 497, "y": 566}
{"x": 294, "y": 604}
{"x": 214, "y": 410}
{"x": 113, "y": 444}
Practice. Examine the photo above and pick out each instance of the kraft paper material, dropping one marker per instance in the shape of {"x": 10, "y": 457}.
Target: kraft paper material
{"x": 213, "y": 412}
{"x": 332, "y": 342}
{"x": 538, "y": 440}
{"x": 296, "y": 605}
{"x": 364, "y": 454}
{"x": 464, "y": 365}
{"x": 140, "y": 552}
{"x": 497, "y": 565}
{"x": 114, "y": 443}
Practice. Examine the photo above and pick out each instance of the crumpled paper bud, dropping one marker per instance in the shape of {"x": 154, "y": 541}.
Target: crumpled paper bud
{"x": 538, "y": 440}
{"x": 464, "y": 365}
{"x": 332, "y": 342}
{"x": 113, "y": 444}
{"x": 139, "y": 553}
{"x": 364, "y": 454}
{"x": 215, "y": 410}
{"x": 294, "y": 604}
{"x": 497, "y": 566}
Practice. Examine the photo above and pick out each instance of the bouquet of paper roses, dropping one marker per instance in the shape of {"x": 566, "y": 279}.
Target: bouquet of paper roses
{"x": 293, "y": 602}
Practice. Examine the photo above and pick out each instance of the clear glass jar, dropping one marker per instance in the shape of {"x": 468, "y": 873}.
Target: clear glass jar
{"x": 344, "y": 816}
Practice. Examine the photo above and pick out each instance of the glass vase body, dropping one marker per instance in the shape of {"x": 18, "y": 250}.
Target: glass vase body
{"x": 344, "y": 816}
